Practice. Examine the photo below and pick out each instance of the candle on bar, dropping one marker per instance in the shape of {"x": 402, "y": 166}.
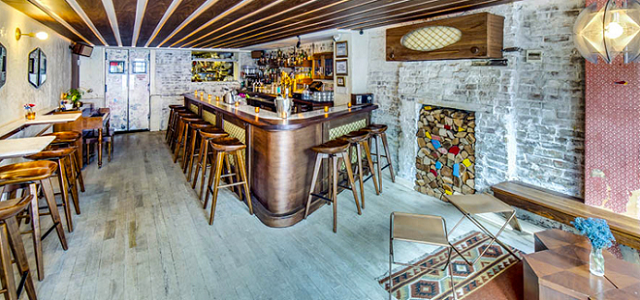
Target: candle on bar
{"x": 237, "y": 103}
{"x": 217, "y": 99}
{"x": 195, "y": 93}
{"x": 349, "y": 104}
{"x": 326, "y": 109}
{"x": 209, "y": 96}
{"x": 257, "y": 109}
{"x": 201, "y": 96}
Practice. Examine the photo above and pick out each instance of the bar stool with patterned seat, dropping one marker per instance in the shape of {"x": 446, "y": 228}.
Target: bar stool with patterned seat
{"x": 65, "y": 174}
{"x": 172, "y": 110}
{"x": 206, "y": 135}
{"x": 29, "y": 176}
{"x": 177, "y": 127}
{"x": 183, "y": 136}
{"x": 11, "y": 242}
{"x": 69, "y": 139}
{"x": 193, "y": 142}
{"x": 358, "y": 140}
{"x": 378, "y": 133}
{"x": 225, "y": 148}
{"x": 334, "y": 151}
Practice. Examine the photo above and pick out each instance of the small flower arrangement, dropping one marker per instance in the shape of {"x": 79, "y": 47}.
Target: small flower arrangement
{"x": 30, "y": 114}
{"x": 75, "y": 95}
{"x": 596, "y": 230}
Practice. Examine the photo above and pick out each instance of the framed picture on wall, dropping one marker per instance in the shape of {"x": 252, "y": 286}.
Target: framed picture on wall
{"x": 342, "y": 67}
{"x": 342, "y": 49}
{"x": 139, "y": 67}
{"x": 340, "y": 81}
{"x": 116, "y": 67}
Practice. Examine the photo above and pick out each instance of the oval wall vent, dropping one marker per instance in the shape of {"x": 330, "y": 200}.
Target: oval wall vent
{"x": 431, "y": 38}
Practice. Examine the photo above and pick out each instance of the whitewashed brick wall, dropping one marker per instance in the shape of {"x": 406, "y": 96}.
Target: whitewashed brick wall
{"x": 530, "y": 115}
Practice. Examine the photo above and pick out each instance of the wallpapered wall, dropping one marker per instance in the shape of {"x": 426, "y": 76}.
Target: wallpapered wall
{"x": 17, "y": 89}
{"x": 612, "y": 178}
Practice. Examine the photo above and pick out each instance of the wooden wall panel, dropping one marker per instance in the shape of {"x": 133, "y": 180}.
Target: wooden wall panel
{"x": 126, "y": 15}
{"x": 152, "y": 15}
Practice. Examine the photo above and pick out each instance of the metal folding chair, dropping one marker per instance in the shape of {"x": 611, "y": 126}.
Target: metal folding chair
{"x": 424, "y": 229}
{"x": 470, "y": 205}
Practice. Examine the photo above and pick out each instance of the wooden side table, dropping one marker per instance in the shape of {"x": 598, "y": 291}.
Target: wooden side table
{"x": 560, "y": 270}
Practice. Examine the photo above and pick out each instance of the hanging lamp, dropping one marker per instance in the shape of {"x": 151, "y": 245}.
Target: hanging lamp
{"x": 611, "y": 31}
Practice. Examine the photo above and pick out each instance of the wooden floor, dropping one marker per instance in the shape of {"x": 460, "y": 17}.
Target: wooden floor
{"x": 143, "y": 234}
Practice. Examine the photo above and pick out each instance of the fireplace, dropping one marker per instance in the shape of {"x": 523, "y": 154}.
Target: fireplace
{"x": 445, "y": 163}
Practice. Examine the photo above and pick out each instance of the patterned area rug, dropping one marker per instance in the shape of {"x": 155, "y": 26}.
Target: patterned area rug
{"x": 412, "y": 283}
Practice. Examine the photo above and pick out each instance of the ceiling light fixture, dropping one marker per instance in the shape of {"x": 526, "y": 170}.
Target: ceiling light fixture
{"x": 609, "y": 32}
{"x": 39, "y": 35}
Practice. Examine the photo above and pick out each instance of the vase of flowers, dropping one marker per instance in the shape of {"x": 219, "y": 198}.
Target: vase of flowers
{"x": 600, "y": 236}
{"x": 29, "y": 113}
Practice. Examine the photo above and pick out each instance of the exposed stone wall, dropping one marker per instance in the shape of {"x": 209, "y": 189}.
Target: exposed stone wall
{"x": 530, "y": 116}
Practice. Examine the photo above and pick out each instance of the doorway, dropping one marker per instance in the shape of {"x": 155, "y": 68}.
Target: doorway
{"x": 127, "y": 88}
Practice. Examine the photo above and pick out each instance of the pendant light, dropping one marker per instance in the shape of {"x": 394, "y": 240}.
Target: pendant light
{"x": 611, "y": 31}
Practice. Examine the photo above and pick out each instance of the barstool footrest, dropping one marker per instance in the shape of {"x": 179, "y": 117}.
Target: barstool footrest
{"x": 230, "y": 184}
{"x": 322, "y": 197}
{"x": 23, "y": 280}
{"x": 49, "y": 231}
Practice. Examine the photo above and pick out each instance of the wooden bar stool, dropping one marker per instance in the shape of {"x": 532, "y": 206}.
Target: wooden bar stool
{"x": 192, "y": 143}
{"x": 69, "y": 139}
{"x": 29, "y": 176}
{"x": 183, "y": 134}
{"x": 358, "y": 140}
{"x": 378, "y": 132}
{"x": 62, "y": 157}
{"x": 334, "y": 151}
{"x": 206, "y": 135}
{"x": 173, "y": 109}
{"x": 225, "y": 148}
{"x": 177, "y": 127}
{"x": 11, "y": 242}
{"x": 199, "y": 142}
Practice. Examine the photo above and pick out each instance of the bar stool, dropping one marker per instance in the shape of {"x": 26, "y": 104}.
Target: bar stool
{"x": 177, "y": 126}
{"x": 378, "y": 132}
{"x": 173, "y": 109}
{"x": 62, "y": 157}
{"x": 187, "y": 162}
{"x": 206, "y": 135}
{"x": 334, "y": 151}
{"x": 183, "y": 135}
{"x": 358, "y": 139}
{"x": 69, "y": 139}
{"x": 199, "y": 142}
{"x": 225, "y": 148}
{"x": 11, "y": 242}
{"x": 31, "y": 175}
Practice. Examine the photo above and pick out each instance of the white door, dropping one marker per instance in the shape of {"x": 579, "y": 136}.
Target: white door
{"x": 127, "y": 88}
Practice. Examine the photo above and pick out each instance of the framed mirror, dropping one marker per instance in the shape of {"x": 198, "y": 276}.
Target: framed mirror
{"x": 37, "y": 67}
{"x": 3, "y": 65}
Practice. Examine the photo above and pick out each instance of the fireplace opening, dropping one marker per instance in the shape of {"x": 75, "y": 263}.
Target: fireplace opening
{"x": 445, "y": 162}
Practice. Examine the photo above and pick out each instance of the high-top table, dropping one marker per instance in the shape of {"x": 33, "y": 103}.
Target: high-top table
{"x": 560, "y": 270}
{"x": 22, "y": 147}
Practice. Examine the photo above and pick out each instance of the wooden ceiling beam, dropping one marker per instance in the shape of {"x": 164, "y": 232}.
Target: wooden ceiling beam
{"x": 152, "y": 15}
{"x": 125, "y": 11}
{"x": 242, "y": 22}
{"x": 98, "y": 16}
{"x": 62, "y": 10}
{"x": 181, "y": 13}
{"x": 436, "y": 9}
{"x": 331, "y": 23}
{"x": 40, "y": 16}
{"x": 314, "y": 9}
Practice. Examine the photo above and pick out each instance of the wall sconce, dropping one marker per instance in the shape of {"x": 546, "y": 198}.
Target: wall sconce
{"x": 40, "y": 35}
{"x": 609, "y": 32}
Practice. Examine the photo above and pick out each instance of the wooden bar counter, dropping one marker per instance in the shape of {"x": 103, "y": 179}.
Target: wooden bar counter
{"x": 279, "y": 156}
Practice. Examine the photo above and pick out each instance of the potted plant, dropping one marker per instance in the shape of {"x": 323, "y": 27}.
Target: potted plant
{"x": 600, "y": 236}
{"x": 75, "y": 95}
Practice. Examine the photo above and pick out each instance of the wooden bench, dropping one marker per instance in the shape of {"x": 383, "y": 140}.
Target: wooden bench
{"x": 564, "y": 209}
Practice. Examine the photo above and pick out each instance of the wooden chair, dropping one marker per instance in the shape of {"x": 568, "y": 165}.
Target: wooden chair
{"x": 183, "y": 136}
{"x": 91, "y": 139}
{"x": 170, "y": 122}
{"x": 193, "y": 141}
{"x": 69, "y": 139}
{"x": 176, "y": 134}
{"x": 225, "y": 148}
{"x": 358, "y": 140}
{"x": 333, "y": 151}
{"x": 29, "y": 176}
{"x": 11, "y": 242}
{"x": 378, "y": 133}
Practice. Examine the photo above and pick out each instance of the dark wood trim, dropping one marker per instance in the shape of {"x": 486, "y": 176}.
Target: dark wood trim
{"x": 126, "y": 15}
{"x": 35, "y": 13}
{"x": 153, "y": 13}
{"x": 182, "y": 12}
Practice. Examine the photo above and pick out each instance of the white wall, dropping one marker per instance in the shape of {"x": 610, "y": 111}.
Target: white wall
{"x": 17, "y": 90}
{"x": 92, "y": 76}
